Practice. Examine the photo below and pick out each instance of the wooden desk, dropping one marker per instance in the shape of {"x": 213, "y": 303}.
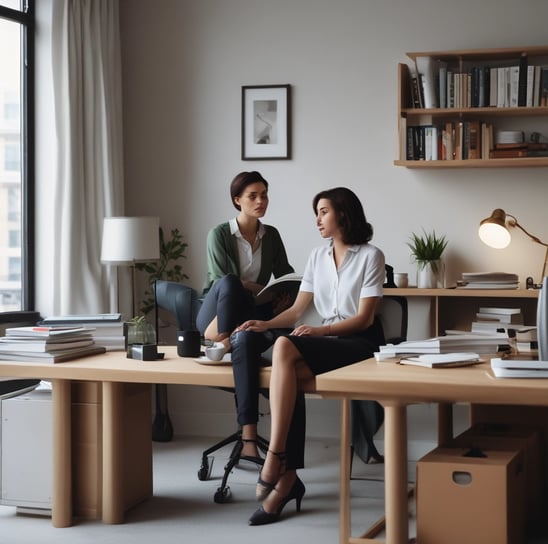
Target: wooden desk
{"x": 396, "y": 387}
{"x": 112, "y": 370}
{"x": 456, "y": 308}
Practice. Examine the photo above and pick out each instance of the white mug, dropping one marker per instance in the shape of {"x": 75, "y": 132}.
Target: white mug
{"x": 401, "y": 279}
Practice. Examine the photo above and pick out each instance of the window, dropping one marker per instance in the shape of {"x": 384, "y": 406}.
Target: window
{"x": 12, "y": 156}
{"x": 16, "y": 155}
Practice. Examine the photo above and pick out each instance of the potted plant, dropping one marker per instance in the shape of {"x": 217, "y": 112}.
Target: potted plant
{"x": 426, "y": 250}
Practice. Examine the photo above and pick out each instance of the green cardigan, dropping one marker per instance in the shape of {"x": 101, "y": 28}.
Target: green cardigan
{"x": 222, "y": 255}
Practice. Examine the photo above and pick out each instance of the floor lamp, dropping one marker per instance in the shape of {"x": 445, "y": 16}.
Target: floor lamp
{"x": 494, "y": 232}
{"x": 130, "y": 240}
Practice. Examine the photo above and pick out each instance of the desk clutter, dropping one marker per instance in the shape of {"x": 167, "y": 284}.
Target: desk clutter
{"x": 450, "y": 343}
{"x": 495, "y": 330}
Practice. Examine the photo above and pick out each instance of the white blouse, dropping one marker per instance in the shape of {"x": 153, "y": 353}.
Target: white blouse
{"x": 337, "y": 293}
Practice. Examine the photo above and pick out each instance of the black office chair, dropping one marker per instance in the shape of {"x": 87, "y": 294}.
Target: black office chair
{"x": 183, "y": 302}
{"x": 367, "y": 416}
{"x": 12, "y": 387}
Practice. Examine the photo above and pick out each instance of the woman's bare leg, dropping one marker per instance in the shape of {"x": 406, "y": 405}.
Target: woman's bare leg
{"x": 288, "y": 370}
{"x": 212, "y": 333}
{"x": 249, "y": 439}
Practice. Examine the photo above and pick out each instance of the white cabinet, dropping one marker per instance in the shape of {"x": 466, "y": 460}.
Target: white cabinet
{"x": 26, "y": 452}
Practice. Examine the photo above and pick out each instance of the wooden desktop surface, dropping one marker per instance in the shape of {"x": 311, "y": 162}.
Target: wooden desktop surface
{"x": 114, "y": 366}
{"x": 409, "y": 384}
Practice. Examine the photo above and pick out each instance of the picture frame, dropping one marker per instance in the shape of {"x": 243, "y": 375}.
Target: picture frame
{"x": 266, "y": 122}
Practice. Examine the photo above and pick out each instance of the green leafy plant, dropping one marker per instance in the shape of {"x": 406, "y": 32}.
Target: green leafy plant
{"x": 172, "y": 250}
{"x": 427, "y": 249}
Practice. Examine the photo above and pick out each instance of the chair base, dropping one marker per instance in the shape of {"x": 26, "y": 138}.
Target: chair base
{"x": 223, "y": 493}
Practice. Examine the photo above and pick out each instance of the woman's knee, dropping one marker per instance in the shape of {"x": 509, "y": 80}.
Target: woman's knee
{"x": 285, "y": 350}
{"x": 229, "y": 282}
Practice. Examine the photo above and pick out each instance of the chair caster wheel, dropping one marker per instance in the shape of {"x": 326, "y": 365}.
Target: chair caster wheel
{"x": 204, "y": 473}
{"x": 222, "y": 495}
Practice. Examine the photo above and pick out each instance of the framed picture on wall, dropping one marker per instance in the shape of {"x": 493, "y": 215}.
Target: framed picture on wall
{"x": 266, "y": 115}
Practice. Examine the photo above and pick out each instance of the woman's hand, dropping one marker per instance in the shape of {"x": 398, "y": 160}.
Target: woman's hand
{"x": 253, "y": 325}
{"x": 307, "y": 330}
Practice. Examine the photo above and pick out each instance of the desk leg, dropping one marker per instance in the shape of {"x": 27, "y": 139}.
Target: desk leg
{"x": 344, "y": 475}
{"x": 395, "y": 459}
{"x": 445, "y": 423}
{"x": 62, "y": 460}
{"x": 113, "y": 499}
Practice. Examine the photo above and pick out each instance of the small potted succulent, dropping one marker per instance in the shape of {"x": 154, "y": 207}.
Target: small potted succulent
{"x": 426, "y": 251}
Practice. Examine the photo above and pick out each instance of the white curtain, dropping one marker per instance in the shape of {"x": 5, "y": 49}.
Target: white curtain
{"x": 86, "y": 69}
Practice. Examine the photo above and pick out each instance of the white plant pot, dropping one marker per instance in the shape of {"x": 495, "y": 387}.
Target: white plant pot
{"x": 431, "y": 275}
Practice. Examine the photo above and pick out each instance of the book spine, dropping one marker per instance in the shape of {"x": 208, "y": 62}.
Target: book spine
{"x": 542, "y": 321}
{"x": 522, "y": 81}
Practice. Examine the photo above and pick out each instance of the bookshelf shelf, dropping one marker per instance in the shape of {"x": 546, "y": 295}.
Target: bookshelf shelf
{"x": 456, "y": 308}
{"x": 423, "y": 147}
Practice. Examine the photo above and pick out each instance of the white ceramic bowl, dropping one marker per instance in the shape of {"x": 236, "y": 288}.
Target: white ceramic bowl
{"x": 215, "y": 353}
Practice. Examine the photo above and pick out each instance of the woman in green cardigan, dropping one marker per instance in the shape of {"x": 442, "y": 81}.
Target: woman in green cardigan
{"x": 242, "y": 256}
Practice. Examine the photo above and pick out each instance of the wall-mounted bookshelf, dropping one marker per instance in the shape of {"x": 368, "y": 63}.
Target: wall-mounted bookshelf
{"x": 452, "y": 106}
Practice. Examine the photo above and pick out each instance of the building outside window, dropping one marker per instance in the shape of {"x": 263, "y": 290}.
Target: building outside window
{"x": 16, "y": 155}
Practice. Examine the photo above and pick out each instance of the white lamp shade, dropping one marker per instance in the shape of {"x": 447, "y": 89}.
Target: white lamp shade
{"x": 494, "y": 235}
{"x": 130, "y": 239}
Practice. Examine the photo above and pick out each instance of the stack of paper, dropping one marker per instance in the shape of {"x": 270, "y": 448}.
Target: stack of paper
{"x": 107, "y": 329}
{"x": 513, "y": 368}
{"x": 47, "y": 344}
{"x": 443, "y": 360}
{"x": 489, "y": 280}
{"x": 461, "y": 343}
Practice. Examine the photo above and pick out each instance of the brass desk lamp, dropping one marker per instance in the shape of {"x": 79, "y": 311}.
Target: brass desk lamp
{"x": 493, "y": 231}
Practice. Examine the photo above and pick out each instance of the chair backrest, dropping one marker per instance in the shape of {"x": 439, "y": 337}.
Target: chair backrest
{"x": 178, "y": 299}
{"x": 393, "y": 314}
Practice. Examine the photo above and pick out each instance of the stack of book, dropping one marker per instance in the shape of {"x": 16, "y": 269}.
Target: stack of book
{"x": 488, "y": 280}
{"x": 525, "y": 339}
{"x": 453, "y": 343}
{"x": 107, "y": 329}
{"x": 47, "y": 344}
{"x": 513, "y": 368}
{"x": 492, "y": 319}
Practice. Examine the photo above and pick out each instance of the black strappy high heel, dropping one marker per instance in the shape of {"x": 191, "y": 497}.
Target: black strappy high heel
{"x": 264, "y": 488}
{"x": 262, "y": 517}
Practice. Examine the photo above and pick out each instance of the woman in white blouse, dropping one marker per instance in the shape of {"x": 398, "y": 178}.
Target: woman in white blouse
{"x": 344, "y": 279}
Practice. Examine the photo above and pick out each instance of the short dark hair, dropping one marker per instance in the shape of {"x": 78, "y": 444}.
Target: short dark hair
{"x": 350, "y": 215}
{"x": 241, "y": 181}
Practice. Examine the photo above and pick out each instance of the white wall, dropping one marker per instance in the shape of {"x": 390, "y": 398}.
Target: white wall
{"x": 184, "y": 64}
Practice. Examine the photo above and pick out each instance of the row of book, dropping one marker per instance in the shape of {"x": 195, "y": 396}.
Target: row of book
{"x": 464, "y": 140}
{"x": 437, "y": 84}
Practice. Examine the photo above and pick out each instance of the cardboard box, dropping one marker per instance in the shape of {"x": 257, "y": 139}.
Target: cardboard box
{"x": 477, "y": 500}
{"x": 511, "y": 437}
{"x": 536, "y": 416}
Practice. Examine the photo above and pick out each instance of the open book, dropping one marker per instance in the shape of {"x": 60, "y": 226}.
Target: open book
{"x": 284, "y": 285}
